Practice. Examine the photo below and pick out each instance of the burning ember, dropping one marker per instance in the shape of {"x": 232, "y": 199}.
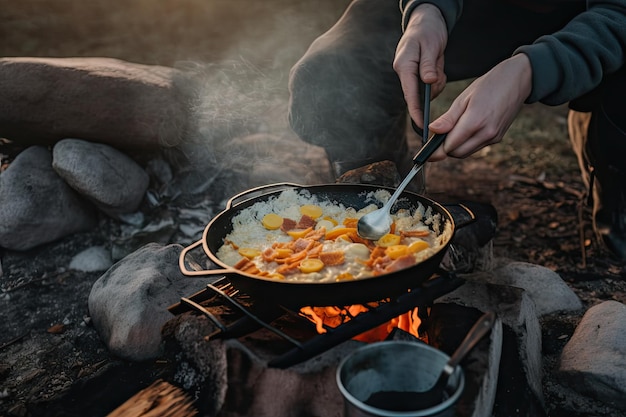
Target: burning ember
{"x": 335, "y": 316}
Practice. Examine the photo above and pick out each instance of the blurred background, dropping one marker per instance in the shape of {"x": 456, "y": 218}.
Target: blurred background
{"x": 254, "y": 43}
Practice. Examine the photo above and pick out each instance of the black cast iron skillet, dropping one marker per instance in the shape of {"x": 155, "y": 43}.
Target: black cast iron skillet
{"x": 300, "y": 294}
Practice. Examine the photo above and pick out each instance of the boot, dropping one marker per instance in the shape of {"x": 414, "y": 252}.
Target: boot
{"x": 599, "y": 144}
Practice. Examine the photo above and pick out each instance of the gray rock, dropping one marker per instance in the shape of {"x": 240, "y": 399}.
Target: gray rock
{"x": 128, "y": 304}
{"x": 262, "y": 158}
{"x": 517, "y": 311}
{"x": 96, "y": 258}
{"x": 113, "y": 181}
{"x": 545, "y": 287}
{"x": 594, "y": 360}
{"x": 123, "y": 104}
{"x": 36, "y": 205}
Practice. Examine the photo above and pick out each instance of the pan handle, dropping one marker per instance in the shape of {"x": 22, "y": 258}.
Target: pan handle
{"x": 201, "y": 272}
{"x": 257, "y": 191}
{"x": 461, "y": 214}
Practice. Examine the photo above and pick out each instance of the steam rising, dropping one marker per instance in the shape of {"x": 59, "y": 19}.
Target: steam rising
{"x": 240, "y": 101}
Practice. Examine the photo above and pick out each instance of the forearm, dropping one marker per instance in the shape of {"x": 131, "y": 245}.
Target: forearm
{"x": 574, "y": 60}
{"x": 450, "y": 9}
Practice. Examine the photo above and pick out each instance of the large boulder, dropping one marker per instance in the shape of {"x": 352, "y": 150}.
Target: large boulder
{"x": 123, "y": 104}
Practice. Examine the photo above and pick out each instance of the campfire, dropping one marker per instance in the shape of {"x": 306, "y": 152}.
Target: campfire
{"x": 324, "y": 317}
{"x": 280, "y": 330}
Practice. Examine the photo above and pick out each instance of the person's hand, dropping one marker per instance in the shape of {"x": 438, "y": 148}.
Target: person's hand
{"x": 485, "y": 110}
{"x": 419, "y": 54}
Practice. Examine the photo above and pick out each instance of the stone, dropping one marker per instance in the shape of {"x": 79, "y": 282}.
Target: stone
{"x": 95, "y": 258}
{"x": 545, "y": 287}
{"x": 446, "y": 327}
{"x": 593, "y": 361}
{"x": 36, "y": 205}
{"x": 202, "y": 365}
{"x": 123, "y": 104}
{"x": 128, "y": 304}
{"x": 521, "y": 361}
{"x": 110, "y": 179}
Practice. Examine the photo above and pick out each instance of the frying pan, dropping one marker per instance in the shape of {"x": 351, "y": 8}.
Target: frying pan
{"x": 299, "y": 294}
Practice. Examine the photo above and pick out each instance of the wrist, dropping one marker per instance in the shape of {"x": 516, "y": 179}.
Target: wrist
{"x": 525, "y": 74}
{"x": 418, "y": 8}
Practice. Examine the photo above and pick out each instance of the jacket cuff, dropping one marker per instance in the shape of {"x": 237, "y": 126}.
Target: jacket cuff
{"x": 450, "y": 10}
{"x": 542, "y": 62}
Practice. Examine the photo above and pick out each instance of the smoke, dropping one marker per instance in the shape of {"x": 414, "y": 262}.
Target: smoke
{"x": 241, "y": 91}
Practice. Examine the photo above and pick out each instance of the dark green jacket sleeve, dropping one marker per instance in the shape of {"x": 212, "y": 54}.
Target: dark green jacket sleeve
{"x": 567, "y": 63}
{"x": 450, "y": 9}
{"x": 573, "y": 61}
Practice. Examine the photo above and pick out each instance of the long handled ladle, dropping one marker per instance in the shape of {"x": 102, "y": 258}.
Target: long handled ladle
{"x": 376, "y": 224}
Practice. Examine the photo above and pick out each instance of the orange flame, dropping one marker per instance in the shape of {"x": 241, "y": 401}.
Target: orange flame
{"x": 334, "y": 316}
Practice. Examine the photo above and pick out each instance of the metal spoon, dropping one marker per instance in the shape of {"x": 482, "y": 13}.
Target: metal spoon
{"x": 376, "y": 224}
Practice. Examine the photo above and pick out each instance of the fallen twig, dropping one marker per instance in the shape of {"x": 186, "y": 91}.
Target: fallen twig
{"x": 12, "y": 341}
{"x": 548, "y": 185}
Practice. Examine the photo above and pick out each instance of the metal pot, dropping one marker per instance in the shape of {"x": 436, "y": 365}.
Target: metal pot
{"x": 300, "y": 294}
{"x": 400, "y": 367}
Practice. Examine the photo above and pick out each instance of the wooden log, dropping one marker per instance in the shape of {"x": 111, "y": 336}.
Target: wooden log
{"x": 160, "y": 399}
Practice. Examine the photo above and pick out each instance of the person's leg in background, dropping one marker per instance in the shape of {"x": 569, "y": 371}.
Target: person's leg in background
{"x": 597, "y": 129}
{"x": 345, "y": 95}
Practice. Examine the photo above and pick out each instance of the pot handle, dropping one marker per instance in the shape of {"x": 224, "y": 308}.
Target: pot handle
{"x": 200, "y": 272}
{"x": 461, "y": 214}
{"x": 257, "y": 191}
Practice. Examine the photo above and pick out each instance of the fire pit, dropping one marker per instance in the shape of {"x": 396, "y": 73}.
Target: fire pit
{"x": 262, "y": 354}
{"x": 261, "y": 336}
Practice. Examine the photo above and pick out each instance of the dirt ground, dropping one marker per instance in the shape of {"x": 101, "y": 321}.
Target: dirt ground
{"x": 531, "y": 178}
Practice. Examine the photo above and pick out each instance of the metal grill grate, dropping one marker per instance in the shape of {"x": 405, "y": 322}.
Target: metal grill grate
{"x": 256, "y": 315}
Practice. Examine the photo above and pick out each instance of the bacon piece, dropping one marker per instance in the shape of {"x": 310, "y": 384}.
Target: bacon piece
{"x": 315, "y": 251}
{"x": 350, "y": 222}
{"x": 415, "y": 233}
{"x": 402, "y": 262}
{"x": 316, "y": 234}
{"x": 268, "y": 254}
{"x": 302, "y": 244}
{"x": 247, "y": 266}
{"x": 306, "y": 222}
{"x": 295, "y": 258}
{"x": 332, "y": 258}
{"x": 287, "y": 269}
{"x": 288, "y": 225}
{"x": 355, "y": 238}
{"x": 378, "y": 252}
{"x": 231, "y": 243}
{"x": 242, "y": 263}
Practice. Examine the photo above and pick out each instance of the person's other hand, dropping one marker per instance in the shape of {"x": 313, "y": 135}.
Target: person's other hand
{"x": 483, "y": 112}
{"x": 419, "y": 54}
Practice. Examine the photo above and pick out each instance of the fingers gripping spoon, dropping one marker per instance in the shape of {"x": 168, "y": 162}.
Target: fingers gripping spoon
{"x": 376, "y": 224}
